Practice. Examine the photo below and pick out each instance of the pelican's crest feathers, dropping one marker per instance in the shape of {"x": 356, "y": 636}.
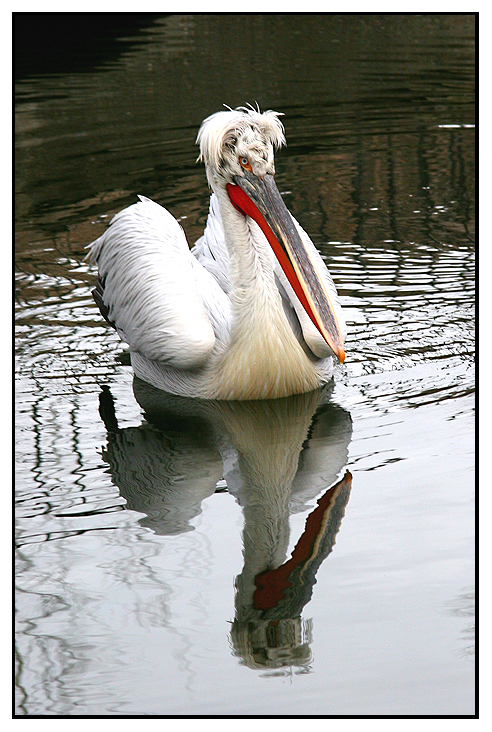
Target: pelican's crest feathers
{"x": 221, "y": 133}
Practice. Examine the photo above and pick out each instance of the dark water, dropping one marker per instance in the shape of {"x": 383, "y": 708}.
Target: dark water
{"x": 190, "y": 558}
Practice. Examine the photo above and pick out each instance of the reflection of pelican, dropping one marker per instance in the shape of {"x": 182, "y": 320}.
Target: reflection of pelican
{"x": 276, "y": 456}
{"x": 253, "y": 312}
{"x": 269, "y": 632}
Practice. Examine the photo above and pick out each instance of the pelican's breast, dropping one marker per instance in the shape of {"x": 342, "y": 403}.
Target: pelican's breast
{"x": 264, "y": 360}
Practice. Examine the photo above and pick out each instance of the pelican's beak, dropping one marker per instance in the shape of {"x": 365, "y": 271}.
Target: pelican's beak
{"x": 260, "y": 199}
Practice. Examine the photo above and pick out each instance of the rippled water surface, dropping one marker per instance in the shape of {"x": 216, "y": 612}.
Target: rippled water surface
{"x": 307, "y": 556}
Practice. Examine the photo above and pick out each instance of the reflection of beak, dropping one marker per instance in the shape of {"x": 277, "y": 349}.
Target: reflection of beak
{"x": 260, "y": 199}
{"x": 272, "y": 584}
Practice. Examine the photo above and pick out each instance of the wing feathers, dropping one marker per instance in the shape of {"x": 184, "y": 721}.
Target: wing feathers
{"x": 98, "y": 294}
{"x": 150, "y": 290}
{"x": 211, "y": 250}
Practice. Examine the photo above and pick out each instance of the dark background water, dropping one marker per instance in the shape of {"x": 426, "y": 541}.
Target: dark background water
{"x": 122, "y": 609}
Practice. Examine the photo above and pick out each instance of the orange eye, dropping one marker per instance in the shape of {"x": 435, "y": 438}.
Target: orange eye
{"x": 244, "y": 162}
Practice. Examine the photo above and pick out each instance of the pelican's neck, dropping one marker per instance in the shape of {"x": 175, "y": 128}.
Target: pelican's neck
{"x": 264, "y": 359}
{"x": 251, "y": 258}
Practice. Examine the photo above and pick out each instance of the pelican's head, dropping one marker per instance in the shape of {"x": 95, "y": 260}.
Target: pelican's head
{"x": 239, "y": 139}
{"x": 237, "y": 147}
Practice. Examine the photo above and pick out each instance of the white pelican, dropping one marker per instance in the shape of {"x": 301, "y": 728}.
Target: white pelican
{"x": 251, "y": 312}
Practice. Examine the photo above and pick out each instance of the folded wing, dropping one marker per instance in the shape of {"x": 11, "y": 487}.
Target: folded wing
{"x": 154, "y": 292}
{"x": 211, "y": 250}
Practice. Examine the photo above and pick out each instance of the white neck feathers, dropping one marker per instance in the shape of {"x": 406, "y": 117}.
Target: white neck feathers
{"x": 264, "y": 358}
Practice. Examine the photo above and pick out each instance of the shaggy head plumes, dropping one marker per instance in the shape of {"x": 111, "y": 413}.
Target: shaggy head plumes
{"x": 226, "y": 137}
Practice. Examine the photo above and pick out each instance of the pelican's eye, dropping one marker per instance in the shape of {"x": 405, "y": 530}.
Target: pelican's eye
{"x": 244, "y": 163}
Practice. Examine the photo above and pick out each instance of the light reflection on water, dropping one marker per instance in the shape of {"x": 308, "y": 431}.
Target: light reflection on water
{"x": 139, "y": 554}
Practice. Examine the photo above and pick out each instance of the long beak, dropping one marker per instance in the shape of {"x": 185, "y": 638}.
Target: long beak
{"x": 260, "y": 199}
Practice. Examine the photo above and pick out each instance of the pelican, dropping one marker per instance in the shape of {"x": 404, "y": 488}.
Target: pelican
{"x": 251, "y": 312}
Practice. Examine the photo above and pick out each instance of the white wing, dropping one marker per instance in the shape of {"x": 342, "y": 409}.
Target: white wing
{"x": 211, "y": 250}
{"x": 155, "y": 293}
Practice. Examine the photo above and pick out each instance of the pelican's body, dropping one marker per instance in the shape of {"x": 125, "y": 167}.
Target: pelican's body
{"x": 251, "y": 312}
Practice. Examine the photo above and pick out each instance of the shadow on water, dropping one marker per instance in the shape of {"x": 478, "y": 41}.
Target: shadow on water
{"x": 275, "y": 457}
